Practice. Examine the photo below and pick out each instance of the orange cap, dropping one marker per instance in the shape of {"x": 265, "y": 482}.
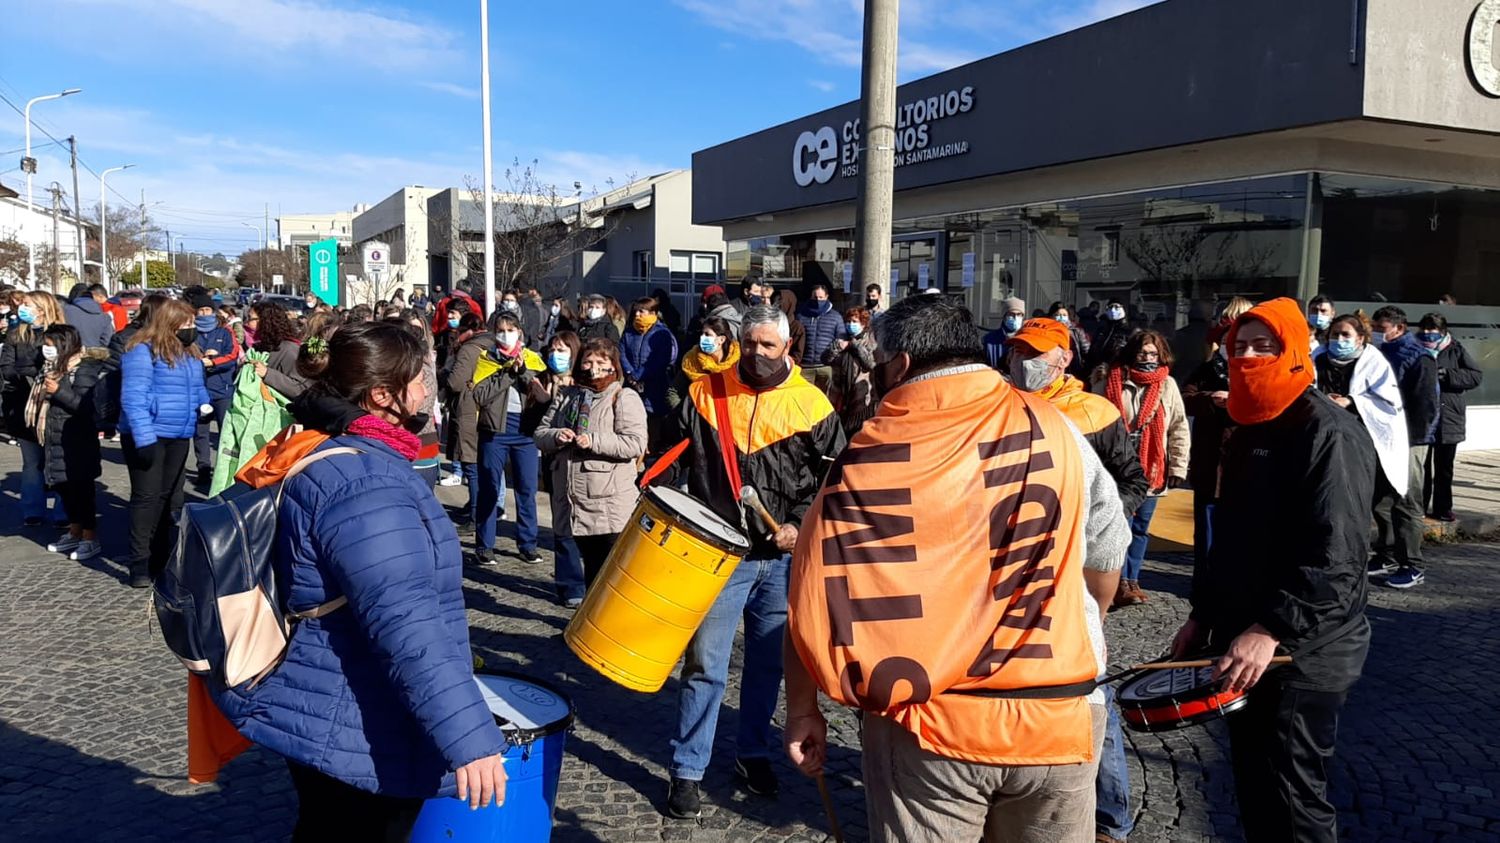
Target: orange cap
{"x": 1043, "y": 335}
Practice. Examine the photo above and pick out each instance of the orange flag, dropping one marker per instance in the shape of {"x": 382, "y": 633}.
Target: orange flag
{"x": 212, "y": 739}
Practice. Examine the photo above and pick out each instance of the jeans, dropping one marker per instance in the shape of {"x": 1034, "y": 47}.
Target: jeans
{"x": 498, "y": 451}
{"x": 1439, "y": 476}
{"x": 155, "y": 493}
{"x": 1140, "y": 536}
{"x": 567, "y": 567}
{"x": 1398, "y": 518}
{"x": 204, "y": 448}
{"x": 470, "y": 472}
{"x": 34, "y": 495}
{"x": 757, "y": 591}
{"x": 1112, "y": 785}
{"x": 1280, "y": 746}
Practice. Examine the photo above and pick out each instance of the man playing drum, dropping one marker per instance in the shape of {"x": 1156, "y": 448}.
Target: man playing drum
{"x": 784, "y": 436}
{"x": 939, "y": 586}
{"x": 1287, "y": 569}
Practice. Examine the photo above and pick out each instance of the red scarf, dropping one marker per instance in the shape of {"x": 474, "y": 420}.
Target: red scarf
{"x": 1151, "y": 419}
{"x": 402, "y": 441}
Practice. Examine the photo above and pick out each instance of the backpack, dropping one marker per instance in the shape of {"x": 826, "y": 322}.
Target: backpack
{"x": 218, "y": 600}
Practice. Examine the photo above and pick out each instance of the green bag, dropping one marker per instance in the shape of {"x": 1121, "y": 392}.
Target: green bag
{"x": 256, "y": 414}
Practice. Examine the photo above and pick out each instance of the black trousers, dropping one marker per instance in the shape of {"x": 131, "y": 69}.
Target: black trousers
{"x": 328, "y": 809}
{"x": 78, "y": 502}
{"x": 204, "y": 445}
{"x": 595, "y": 552}
{"x": 1281, "y": 743}
{"x": 1439, "y": 472}
{"x": 155, "y": 493}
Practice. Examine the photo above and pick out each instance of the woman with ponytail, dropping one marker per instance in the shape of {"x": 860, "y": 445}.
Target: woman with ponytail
{"x": 1140, "y": 384}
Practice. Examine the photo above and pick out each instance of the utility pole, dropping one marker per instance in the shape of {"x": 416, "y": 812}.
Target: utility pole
{"x": 489, "y": 167}
{"x": 77, "y": 206}
{"x": 56, "y": 246}
{"x": 877, "y": 163}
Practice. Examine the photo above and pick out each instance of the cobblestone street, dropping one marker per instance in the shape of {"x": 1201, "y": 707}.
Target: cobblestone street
{"x": 92, "y": 740}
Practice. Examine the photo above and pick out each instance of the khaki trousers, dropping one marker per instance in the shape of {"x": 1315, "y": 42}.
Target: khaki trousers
{"x": 915, "y": 796}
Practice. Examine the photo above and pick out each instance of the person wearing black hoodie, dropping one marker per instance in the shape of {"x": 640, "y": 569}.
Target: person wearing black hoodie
{"x": 1398, "y": 518}
{"x": 1457, "y": 374}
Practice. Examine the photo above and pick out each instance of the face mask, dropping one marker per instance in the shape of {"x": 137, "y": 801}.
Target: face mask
{"x": 1377, "y": 339}
{"x": 823, "y": 305}
{"x": 1115, "y": 314}
{"x": 1063, "y": 318}
{"x": 708, "y": 344}
{"x": 756, "y": 301}
{"x": 5, "y": 310}
{"x": 1013, "y": 324}
{"x": 1321, "y": 321}
{"x": 1343, "y": 349}
{"x": 26, "y": 314}
{"x": 596, "y": 375}
{"x": 872, "y": 303}
{"x": 559, "y": 361}
{"x": 186, "y": 336}
{"x": 206, "y": 323}
{"x": 760, "y": 373}
{"x": 855, "y": 329}
{"x": 556, "y": 309}
{"x": 509, "y": 339}
{"x": 1429, "y": 338}
{"x": 1146, "y": 368}
{"x": 49, "y": 352}
{"x": 596, "y": 313}
{"x": 508, "y": 306}
{"x": 1033, "y": 375}
{"x": 415, "y": 422}
{"x": 644, "y": 321}
{"x": 453, "y": 321}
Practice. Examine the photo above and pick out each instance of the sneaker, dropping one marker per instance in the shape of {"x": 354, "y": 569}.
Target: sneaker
{"x": 66, "y": 544}
{"x": 531, "y": 557}
{"x": 32, "y": 521}
{"x": 451, "y": 480}
{"x": 1379, "y": 567}
{"x": 482, "y": 558}
{"x": 1406, "y": 578}
{"x": 684, "y": 801}
{"x": 205, "y": 476}
{"x": 757, "y": 776}
{"x": 573, "y": 602}
{"x": 85, "y": 550}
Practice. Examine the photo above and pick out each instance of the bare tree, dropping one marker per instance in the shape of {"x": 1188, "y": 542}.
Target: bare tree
{"x": 129, "y": 234}
{"x": 13, "y": 265}
{"x": 258, "y": 267}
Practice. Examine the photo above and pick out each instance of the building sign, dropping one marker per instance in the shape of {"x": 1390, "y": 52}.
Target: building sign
{"x": 1483, "y": 67}
{"x": 819, "y": 155}
{"x": 323, "y": 270}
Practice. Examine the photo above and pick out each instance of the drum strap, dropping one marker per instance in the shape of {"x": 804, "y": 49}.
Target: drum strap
{"x": 726, "y": 432}
{"x": 1045, "y": 692}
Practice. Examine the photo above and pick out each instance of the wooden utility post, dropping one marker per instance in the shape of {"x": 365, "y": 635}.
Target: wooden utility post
{"x": 877, "y": 162}
{"x": 56, "y": 250}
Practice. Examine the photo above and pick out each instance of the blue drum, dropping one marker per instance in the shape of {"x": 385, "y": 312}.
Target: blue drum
{"x": 535, "y": 718}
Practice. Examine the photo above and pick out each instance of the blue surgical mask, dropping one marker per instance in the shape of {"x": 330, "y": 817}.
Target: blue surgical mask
{"x": 1013, "y": 323}
{"x": 855, "y": 329}
{"x": 26, "y": 314}
{"x": 1343, "y": 348}
{"x": 206, "y": 323}
{"x": 756, "y": 301}
{"x": 1063, "y": 318}
{"x": 1430, "y": 337}
{"x": 453, "y": 321}
{"x": 1115, "y": 314}
{"x": 559, "y": 360}
{"x": 1321, "y": 321}
{"x": 707, "y": 344}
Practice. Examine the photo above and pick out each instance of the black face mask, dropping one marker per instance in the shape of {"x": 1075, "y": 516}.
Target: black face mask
{"x": 415, "y": 423}
{"x": 762, "y": 373}
{"x": 187, "y": 336}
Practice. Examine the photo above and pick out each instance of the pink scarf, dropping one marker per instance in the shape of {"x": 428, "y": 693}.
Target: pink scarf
{"x": 402, "y": 441}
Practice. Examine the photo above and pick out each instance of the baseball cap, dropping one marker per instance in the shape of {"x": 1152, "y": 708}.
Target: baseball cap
{"x": 1042, "y": 335}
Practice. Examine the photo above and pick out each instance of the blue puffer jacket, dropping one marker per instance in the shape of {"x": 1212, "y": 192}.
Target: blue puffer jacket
{"x": 379, "y": 693}
{"x": 219, "y": 344}
{"x": 1416, "y": 375}
{"x": 823, "y": 327}
{"x": 647, "y": 359}
{"x": 158, "y": 401}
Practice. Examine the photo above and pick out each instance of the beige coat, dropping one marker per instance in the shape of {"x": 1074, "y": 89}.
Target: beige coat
{"x": 1179, "y": 440}
{"x": 593, "y": 491}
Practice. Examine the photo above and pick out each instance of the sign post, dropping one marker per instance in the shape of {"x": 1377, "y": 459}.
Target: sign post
{"x": 323, "y": 270}
{"x": 377, "y": 266}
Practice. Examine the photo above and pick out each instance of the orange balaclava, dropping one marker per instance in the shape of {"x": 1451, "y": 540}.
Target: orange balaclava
{"x": 1261, "y": 388}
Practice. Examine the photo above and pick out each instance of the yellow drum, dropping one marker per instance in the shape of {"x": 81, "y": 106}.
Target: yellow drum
{"x": 661, "y": 578}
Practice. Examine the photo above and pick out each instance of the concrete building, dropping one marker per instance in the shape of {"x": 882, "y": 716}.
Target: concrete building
{"x": 35, "y": 228}
{"x": 304, "y": 229}
{"x": 400, "y": 221}
{"x": 1185, "y": 152}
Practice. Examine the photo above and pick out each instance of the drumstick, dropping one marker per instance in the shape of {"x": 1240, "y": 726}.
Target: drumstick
{"x": 751, "y": 498}
{"x": 1199, "y": 663}
{"x": 833, "y": 820}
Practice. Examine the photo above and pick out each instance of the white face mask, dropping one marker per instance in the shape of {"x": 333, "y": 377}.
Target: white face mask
{"x": 49, "y": 352}
{"x": 596, "y": 313}
{"x": 509, "y": 339}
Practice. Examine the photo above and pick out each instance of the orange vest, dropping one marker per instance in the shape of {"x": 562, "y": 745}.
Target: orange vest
{"x": 1088, "y": 412}
{"x": 944, "y": 554}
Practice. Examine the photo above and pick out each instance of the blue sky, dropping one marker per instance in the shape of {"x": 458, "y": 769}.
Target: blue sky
{"x": 315, "y": 105}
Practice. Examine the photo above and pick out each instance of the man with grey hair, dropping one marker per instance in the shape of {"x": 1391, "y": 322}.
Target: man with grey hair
{"x": 941, "y": 587}
{"x": 759, "y": 424}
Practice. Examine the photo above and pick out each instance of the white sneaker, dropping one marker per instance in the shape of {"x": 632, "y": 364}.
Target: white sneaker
{"x": 451, "y": 480}
{"x": 85, "y": 550}
{"x": 65, "y": 544}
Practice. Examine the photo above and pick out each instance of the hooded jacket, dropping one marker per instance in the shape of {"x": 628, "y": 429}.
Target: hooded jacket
{"x": 95, "y": 327}
{"x": 380, "y": 693}
{"x": 1457, "y": 374}
{"x": 823, "y": 324}
{"x": 1377, "y": 402}
{"x": 648, "y": 359}
{"x": 1416, "y": 373}
{"x": 74, "y": 413}
{"x": 785, "y": 439}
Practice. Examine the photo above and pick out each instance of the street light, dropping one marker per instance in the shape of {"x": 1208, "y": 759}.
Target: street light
{"x": 489, "y": 168}
{"x": 104, "y": 227}
{"x": 29, "y": 165}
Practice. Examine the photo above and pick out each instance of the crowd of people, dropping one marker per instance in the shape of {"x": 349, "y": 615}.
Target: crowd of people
{"x": 1008, "y": 479}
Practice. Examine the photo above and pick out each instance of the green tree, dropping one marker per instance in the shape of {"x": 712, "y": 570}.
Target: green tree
{"x": 159, "y": 274}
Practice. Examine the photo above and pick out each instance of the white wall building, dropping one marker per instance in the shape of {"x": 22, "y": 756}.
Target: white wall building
{"x": 400, "y": 221}
{"x": 304, "y": 229}
{"x": 35, "y": 228}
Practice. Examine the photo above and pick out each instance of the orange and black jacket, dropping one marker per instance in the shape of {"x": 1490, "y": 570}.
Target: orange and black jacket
{"x": 786, "y": 438}
{"x": 1097, "y": 419}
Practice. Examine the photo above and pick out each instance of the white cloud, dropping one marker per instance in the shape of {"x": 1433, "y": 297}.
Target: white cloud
{"x": 451, "y": 88}
{"x": 823, "y": 85}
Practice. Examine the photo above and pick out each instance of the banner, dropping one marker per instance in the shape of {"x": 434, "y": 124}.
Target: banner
{"x": 323, "y": 270}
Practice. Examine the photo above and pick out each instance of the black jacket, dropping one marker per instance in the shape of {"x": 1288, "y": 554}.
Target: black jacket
{"x": 1108, "y": 341}
{"x": 71, "y": 435}
{"x": 1457, "y": 374}
{"x": 1291, "y": 539}
{"x": 595, "y": 328}
{"x": 793, "y": 436}
{"x": 1211, "y": 425}
{"x": 1416, "y": 375}
{"x": 20, "y": 361}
